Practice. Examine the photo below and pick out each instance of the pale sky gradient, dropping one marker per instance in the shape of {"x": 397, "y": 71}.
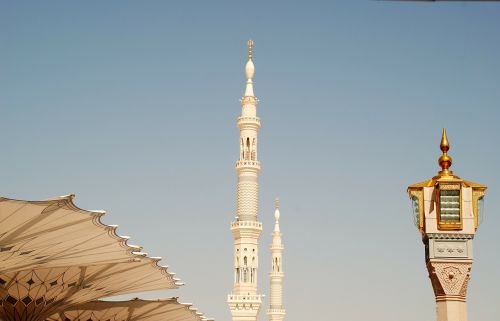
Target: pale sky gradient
{"x": 132, "y": 106}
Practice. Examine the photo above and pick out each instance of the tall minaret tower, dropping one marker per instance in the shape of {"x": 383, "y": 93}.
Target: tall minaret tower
{"x": 276, "y": 311}
{"x": 244, "y": 301}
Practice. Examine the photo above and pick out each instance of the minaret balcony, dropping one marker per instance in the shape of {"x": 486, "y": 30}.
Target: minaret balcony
{"x": 245, "y": 298}
{"x": 248, "y": 163}
{"x": 253, "y": 122}
{"x": 251, "y": 224}
{"x": 246, "y": 229}
{"x": 277, "y": 247}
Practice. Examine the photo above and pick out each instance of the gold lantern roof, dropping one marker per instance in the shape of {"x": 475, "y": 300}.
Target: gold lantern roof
{"x": 445, "y": 176}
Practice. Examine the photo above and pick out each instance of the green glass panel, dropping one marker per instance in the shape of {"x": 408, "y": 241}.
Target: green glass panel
{"x": 415, "y": 211}
{"x": 480, "y": 210}
{"x": 449, "y": 206}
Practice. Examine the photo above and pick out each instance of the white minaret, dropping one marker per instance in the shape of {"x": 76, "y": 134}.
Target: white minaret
{"x": 276, "y": 312}
{"x": 244, "y": 301}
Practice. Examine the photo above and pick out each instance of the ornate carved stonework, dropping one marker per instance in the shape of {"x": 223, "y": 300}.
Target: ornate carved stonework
{"x": 449, "y": 278}
{"x": 249, "y": 100}
{"x": 443, "y": 249}
{"x": 449, "y": 236}
{"x": 247, "y": 200}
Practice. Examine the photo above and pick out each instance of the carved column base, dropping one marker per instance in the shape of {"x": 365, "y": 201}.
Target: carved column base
{"x": 449, "y": 281}
{"x": 449, "y": 309}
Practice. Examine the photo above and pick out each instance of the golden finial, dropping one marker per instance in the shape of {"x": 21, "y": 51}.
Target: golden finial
{"x": 445, "y": 160}
{"x": 445, "y": 145}
{"x": 277, "y": 202}
{"x": 250, "y": 47}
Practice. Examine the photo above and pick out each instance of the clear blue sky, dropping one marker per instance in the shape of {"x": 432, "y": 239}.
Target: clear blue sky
{"x": 132, "y": 105}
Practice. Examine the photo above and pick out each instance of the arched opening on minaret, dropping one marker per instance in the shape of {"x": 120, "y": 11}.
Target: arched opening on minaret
{"x": 248, "y": 149}
{"x": 242, "y": 149}
{"x": 253, "y": 150}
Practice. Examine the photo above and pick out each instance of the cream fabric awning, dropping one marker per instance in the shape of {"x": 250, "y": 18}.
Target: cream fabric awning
{"x": 57, "y": 257}
{"x": 56, "y": 233}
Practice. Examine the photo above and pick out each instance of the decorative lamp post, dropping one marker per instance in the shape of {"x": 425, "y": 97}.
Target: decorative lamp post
{"x": 447, "y": 210}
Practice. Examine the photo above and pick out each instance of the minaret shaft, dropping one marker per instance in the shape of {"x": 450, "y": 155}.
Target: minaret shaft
{"x": 244, "y": 301}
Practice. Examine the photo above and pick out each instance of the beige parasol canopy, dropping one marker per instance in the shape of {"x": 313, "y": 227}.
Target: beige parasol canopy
{"x": 57, "y": 257}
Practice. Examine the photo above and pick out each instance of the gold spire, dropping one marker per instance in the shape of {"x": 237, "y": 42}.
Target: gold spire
{"x": 445, "y": 160}
{"x": 445, "y": 145}
{"x": 250, "y": 47}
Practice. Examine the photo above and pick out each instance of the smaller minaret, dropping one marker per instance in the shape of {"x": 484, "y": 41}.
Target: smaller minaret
{"x": 276, "y": 312}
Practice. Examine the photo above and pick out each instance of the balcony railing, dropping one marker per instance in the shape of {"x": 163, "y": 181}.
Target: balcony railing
{"x": 253, "y": 163}
{"x": 248, "y": 297}
{"x": 249, "y": 120}
{"x": 246, "y": 224}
